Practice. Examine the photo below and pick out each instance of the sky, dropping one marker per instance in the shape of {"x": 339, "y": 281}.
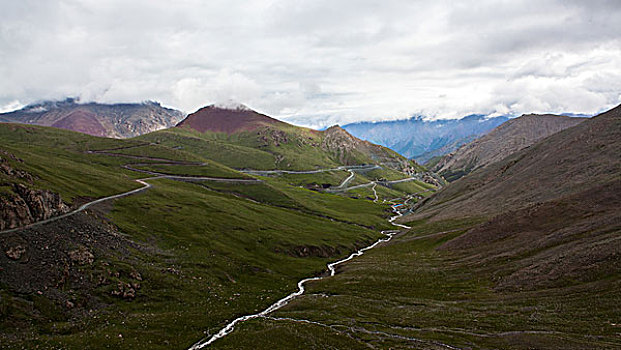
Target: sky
{"x": 319, "y": 62}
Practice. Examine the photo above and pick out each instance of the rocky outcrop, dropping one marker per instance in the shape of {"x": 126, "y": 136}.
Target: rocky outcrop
{"x": 350, "y": 150}
{"x": 269, "y": 136}
{"x": 21, "y": 205}
{"x": 26, "y": 206}
{"x": 81, "y": 256}
{"x": 341, "y": 143}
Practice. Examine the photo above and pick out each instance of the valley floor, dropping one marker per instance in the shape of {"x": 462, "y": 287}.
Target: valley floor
{"x": 408, "y": 294}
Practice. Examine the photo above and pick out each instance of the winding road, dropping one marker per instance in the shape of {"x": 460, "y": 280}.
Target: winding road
{"x": 331, "y": 267}
{"x": 145, "y": 185}
{"x": 158, "y": 175}
{"x": 342, "y": 167}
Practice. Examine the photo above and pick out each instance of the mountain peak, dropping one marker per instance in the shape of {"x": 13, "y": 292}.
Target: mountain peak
{"x": 229, "y": 118}
{"x": 231, "y": 105}
{"x": 118, "y": 120}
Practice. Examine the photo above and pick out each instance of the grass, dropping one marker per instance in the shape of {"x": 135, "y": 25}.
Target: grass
{"x": 226, "y": 153}
{"x": 58, "y": 159}
{"x": 207, "y": 251}
{"x": 414, "y": 187}
{"x": 279, "y": 147}
{"x": 412, "y": 295}
{"x": 233, "y": 259}
{"x": 208, "y": 169}
{"x": 61, "y": 162}
{"x": 246, "y": 150}
{"x": 331, "y": 178}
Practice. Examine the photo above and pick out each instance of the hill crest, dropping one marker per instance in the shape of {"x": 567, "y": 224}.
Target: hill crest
{"x": 227, "y": 120}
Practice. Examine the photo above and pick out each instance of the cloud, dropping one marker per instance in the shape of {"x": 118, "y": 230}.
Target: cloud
{"x": 317, "y": 62}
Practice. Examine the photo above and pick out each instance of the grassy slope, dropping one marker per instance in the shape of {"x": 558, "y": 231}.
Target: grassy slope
{"x": 232, "y": 254}
{"x": 219, "y": 150}
{"x": 285, "y": 147}
{"x": 245, "y": 150}
{"x": 60, "y": 161}
{"x": 544, "y": 273}
{"x": 50, "y": 154}
{"x": 410, "y": 289}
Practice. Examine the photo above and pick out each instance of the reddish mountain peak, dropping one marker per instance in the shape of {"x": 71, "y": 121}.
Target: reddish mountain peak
{"x": 227, "y": 120}
{"x": 81, "y": 121}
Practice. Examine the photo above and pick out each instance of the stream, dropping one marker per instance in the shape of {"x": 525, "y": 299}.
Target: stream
{"x": 284, "y": 301}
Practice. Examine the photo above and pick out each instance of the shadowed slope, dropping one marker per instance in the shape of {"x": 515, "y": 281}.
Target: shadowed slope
{"x": 508, "y": 138}
{"x": 563, "y": 164}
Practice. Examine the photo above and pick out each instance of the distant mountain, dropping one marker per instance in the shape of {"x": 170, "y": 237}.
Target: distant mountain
{"x": 248, "y": 139}
{"x": 563, "y": 164}
{"x": 510, "y": 137}
{"x": 121, "y": 120}
{"x": 423, "y": 139}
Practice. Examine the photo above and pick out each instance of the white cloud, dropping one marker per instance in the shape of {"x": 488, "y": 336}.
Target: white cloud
{"x": 11, "y": 106}
{"x": 317, "y": 62}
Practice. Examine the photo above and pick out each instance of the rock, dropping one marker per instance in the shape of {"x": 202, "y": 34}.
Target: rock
{"x": 129, "y": 293}
{"x": 81, "y": 256}
{"x": 16, "y": 252}
{"x": 7, "y": 169}
{"x": 124, "y": 290}
{"x": 135, "y": 275}
{"x": 26, "y": 206}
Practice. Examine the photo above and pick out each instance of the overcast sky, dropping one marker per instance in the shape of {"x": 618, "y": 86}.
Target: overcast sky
{"x": 317, "y": 62}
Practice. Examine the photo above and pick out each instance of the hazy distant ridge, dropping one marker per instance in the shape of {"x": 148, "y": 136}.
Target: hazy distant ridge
{"x": 423, "y": 139}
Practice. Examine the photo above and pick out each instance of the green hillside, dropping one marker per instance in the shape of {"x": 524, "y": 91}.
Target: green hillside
{"x": 520, "y": 254}
{"x": 181, "y": 257}
{"x": 270, "y": 144}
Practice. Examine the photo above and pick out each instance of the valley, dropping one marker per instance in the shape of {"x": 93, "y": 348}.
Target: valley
{"x": 271, "y": 174}
{"x": 155, "y": 227}
{"x": 159, "y": 241}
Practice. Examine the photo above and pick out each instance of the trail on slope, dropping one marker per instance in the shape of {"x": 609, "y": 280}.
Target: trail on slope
{"x": 145, "y": 185}
{"x": 316, "y": 171}
{"x": 158, "y": 175}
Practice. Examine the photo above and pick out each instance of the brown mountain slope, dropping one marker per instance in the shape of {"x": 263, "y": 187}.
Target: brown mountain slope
{"x": 226, "y": 120}
{"x": 560, "y": 165}
{"x": 510, "y": 137}
{"x": 81, "y": 121}
{"x": 550, "y": 212}
{"x": 110, "y": 120}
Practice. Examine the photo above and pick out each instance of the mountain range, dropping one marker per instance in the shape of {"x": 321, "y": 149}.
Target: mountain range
{"x": 508, "y": 138}
{"x": 423, "y": 139}
{"x": 119, "y": 120}
{"x": 521, "y": 253}
{"x": 237, "y": 229}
